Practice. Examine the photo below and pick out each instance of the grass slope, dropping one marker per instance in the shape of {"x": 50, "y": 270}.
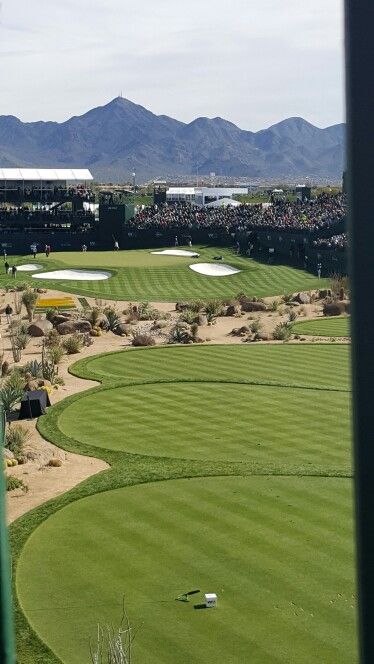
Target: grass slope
{"x": 273, "y": 537}
{"x": 325, "y": 327}
{"x": 269, "y": 548}
{"x": 139, "y": 275}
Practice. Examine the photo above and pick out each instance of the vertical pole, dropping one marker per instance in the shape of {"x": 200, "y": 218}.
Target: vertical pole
{"x": 359, "y": 28}
{"x": 7, "y": 652}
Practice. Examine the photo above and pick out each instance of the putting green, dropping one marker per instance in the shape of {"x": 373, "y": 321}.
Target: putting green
{"x": 324, "y": 327}
{"x": 222, "y": 421}
{"x": 141, "y": 275}
{"x": 278, "y": 551}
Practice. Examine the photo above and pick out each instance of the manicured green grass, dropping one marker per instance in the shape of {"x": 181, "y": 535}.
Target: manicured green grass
{"x": 325, "y": 327}
{"x": 140, "y": 275}
{"x": 270, "y": 549}
{"x": 273, "y": 537}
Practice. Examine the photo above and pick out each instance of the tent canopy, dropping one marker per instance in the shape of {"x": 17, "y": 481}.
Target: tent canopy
{"x": 223, "y": 202}
{"x": 43, "y": 174}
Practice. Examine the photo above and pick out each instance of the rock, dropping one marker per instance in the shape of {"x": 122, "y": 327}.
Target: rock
{"x": 335, "y": 308}
{"x": 122, "y": 329}
{"x": 261, "y": 336}
{"x": 7, "y": 453}
{"x": 303, "y": 298}
{"x": 244, "y": 330}
{"x": 66, "y": 328}
{"x": 60, "y": 318}
{"x": 39, "y": 328}
{"x": 323, "y": 293}
{"x": 102, "y": 322}
{"x": 40, "y": 290}
{"x": 233, "y": 310}
{"x": 201, "y": 319}
{"x": 181, "y": 306}
{"x": 82, "y": 325}
{"x": 250, "y": 305}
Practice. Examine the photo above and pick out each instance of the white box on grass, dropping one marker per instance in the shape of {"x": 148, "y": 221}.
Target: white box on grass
{"x": 210, "y": 600}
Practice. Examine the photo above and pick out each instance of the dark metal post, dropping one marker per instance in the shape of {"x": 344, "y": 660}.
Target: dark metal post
{"x": 359, "y": 25}
{"x": 7, "y": 652}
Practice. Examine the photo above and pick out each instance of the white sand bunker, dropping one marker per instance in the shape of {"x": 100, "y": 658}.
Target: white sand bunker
{"x": 74, "y": 275}
{"x": 176, "y": 252}
{"x": 214, "y": 269}
{"x": 29, "y": 267}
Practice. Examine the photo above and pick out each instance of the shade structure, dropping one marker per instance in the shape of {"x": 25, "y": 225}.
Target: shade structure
{"x": 43, "y": 174}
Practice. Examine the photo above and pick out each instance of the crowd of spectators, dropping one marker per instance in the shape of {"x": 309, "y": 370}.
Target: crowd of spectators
{"x": 310, "y": 216}
{"x": 334, "y": 242}
{"x": 19, "y": 219}
{"x": 47, "y": 194}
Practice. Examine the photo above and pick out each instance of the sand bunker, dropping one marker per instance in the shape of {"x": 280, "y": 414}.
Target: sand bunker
{"x": 214, "y": 269}
{"x": 29, "y": 267}
{"x": 74, "y": 275}
{"x": 176, "y": 252}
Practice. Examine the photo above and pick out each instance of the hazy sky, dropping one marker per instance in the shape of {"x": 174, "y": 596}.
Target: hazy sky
{"x": 251, "y": 62}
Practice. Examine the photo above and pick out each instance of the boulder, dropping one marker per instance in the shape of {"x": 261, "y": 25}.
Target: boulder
{"x": 335, "y": 308}
{"x": 323, "y": 293}
{"x": 303, "y": 298}
{"x": 122, "y": 329}
{"x": 60, "y": 318}
{"x": 102, "y": 322}
{"x": 250, "y": 305}
{"x": 39, "y": 328}
{"x": 233, "y": 310}
{"x": 66, "y": 328}
{"x": 261, "y": 336}
{"x": 181, "y": 306}
{"x": 82, "y": 325}
{"x": 201, "y": 319}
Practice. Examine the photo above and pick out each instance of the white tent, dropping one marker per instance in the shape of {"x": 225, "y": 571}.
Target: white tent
{"x": 223, "y": 202}
{"x": 45, "y": 174}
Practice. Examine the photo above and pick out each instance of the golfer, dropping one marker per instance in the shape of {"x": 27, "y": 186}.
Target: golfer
{"x": 116, "y": 246}
{"x": 6, "y": 266}
{"x": 14, "y": 271}
{"x": 319, "y": 270}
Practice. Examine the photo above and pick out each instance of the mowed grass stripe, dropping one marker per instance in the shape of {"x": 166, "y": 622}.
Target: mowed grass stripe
{"x": 236, "y": 422}
{"x": 227, "y": 535}
{"x": 315, "y": 366}
{"x": 325, "y": 327}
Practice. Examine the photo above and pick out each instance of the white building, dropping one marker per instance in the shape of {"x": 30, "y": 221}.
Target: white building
{"x": 203, "y": 195}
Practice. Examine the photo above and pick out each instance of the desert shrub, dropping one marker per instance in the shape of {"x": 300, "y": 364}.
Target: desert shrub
{"x": 160, "y": 324}
{"x": 56, "y": 353}
{"x": 58, "y": 381}
{"x": 179, "y": 334}
{"x": 15, "y": 438}
{"x": 197, "y": 305}
{"x": 54, "y": 463}
{"x": 52, "y": 339}
{"x": 213, "y": 308}
{"x": 113, "y": 318}
{"x": 13, "y": 482}
{"x": 10, "y": 396}
{"x": 73, "y": 344}
{"x": 146, "y": 312}
{"x": 287, "y": 298}
{"x": 335, "y": 308}
{"x": 188, "y": 316}
{"x": 255, "y": 326}
{"x": 34, "y": 368}
{"x": 281, "y": 310}
{"x": 29, "y": 300}
{"x": 282, "y": 332}
{"x": 292, "y": 315}
{"x": 274, "y": 305}
{"x": 21, "y": 340}
{"x": 143, "y": 340}
{"x": 194, "y": 331}
{"x": 339, "y": 285}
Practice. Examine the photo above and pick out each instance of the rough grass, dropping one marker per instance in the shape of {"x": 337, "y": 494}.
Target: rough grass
{"x": 139, "y": 275}
{"x": 273, "y": 537}
{"x": 324, "y": 327}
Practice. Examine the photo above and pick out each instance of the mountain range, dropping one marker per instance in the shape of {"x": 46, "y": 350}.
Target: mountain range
{"x": 121, "y": 137}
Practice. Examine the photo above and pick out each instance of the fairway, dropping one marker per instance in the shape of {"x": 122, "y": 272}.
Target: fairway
{"x": 277, "y": 551}
{"x": 140, "y": 275}
{"x": 325, "y": 327}
{"x": 265, "y": 519}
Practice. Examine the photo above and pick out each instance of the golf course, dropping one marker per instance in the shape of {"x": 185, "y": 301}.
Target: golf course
{"x": 142, "y": 275}
{"x": 227, "y": 475}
